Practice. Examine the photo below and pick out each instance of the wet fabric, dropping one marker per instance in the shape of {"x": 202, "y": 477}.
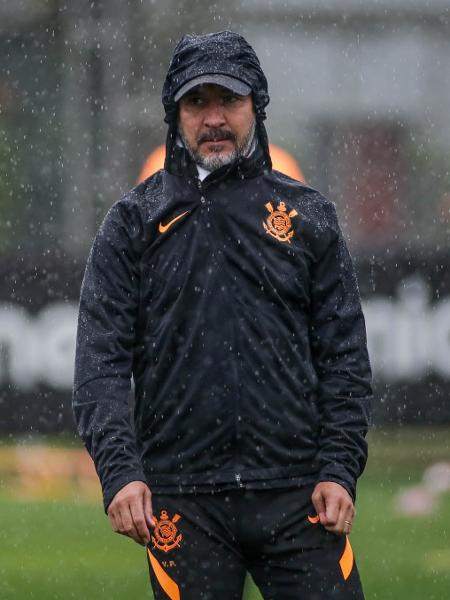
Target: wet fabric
{"x": 248, "y": 350}
{"x": 223, "y": 53}
{"x": 203, "y": 547}
{"x": 233, "y": 304}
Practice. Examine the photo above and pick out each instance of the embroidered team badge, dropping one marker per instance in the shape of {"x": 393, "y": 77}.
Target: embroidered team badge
{"x": 278, "y": 223}
{"x": 165, "y": 536}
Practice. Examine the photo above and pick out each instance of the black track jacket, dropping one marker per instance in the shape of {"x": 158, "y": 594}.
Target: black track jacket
{"x": 233, "y": 304}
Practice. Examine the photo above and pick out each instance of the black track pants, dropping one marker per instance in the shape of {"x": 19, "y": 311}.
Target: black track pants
{"x": 204, "y": 544}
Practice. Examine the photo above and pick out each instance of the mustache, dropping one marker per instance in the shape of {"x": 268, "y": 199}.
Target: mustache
{"x": 213, "y": 135}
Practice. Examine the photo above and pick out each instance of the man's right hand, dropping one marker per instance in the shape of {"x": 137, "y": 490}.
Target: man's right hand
{"x": 130, "y": 512}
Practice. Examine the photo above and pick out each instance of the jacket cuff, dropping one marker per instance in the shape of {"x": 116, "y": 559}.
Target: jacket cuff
{"x": 350, "y": 486}
{"x": 109, "y": 491}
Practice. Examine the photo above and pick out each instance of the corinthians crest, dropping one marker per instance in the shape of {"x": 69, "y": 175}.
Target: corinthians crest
{"x": 165, "y": 536}
{"x": 278, "y": 223}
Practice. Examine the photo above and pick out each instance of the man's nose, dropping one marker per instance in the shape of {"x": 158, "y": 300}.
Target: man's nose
{"x": 214, "y": 115}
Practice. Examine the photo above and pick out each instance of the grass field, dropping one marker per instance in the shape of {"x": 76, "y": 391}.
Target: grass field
{"x": 65, "y": 550}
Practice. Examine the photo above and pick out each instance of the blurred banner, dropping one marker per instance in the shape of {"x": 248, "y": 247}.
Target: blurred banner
{"x": 406, "y": 303}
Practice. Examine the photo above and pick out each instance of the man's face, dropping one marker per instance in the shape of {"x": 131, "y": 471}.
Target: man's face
{"x": 216, "y": 125}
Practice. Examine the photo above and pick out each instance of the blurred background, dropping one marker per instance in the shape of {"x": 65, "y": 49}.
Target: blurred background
{"x": 360, "y": 100}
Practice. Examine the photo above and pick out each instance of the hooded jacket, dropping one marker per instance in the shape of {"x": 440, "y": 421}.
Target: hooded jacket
{"x": 233, "y": 305}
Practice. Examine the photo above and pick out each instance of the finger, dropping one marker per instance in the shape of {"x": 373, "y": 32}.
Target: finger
{"x": 345, "y": 517}
{"x": 319, "y": 504}
{"x": 332, "y": 510}
{"x": 148, "y": 509}
{"x": 138, "y": 516}
{"x": 348, "y": 520}
{"x": 114, "y": 520}
{"x": 128, "y": 525}
{"x": 120, "y": 528}
{"x": 341, "y": 526}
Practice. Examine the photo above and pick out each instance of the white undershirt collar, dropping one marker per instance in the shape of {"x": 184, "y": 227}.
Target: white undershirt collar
{"x": 202, "y": 173}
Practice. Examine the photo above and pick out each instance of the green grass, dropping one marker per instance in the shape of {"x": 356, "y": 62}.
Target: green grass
{"x": 56, "y": 550}
{"x": 401, "y": 557}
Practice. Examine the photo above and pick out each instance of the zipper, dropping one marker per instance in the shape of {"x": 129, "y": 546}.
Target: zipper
{"x": 202, "y": 193}
{"x": 237, "y": 476}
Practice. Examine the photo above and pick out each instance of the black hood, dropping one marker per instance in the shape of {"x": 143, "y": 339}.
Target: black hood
{"x": 225, "y": 53}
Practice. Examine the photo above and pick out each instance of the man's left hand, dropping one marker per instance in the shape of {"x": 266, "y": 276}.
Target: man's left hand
{"x": 334, "y": 506}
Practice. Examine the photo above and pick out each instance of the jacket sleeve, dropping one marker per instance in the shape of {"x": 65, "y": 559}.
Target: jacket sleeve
{"x": 339, "y": 347}
{"x": 104, "y": 351}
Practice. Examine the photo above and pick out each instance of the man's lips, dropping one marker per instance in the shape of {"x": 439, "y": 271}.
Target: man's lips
{"x": 216, "y": 141}
{"x": 219, "y": 145}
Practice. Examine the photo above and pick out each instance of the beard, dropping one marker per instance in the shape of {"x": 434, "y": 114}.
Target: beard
{"x": 217, "y": 157}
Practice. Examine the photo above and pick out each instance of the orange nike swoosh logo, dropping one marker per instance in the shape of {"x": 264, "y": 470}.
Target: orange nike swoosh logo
{"x": 314, "y": 520}
{"x": 164, "y": 228}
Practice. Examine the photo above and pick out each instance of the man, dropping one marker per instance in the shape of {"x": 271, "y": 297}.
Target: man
{"x": 226, "y": 290}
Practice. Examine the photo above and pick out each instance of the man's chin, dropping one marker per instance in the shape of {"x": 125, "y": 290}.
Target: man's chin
{"x": 215, "y": 160}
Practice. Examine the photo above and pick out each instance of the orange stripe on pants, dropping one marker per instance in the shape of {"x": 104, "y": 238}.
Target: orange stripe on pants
{"x": 346, "y": 561}
{"x": 166, "y": 582}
